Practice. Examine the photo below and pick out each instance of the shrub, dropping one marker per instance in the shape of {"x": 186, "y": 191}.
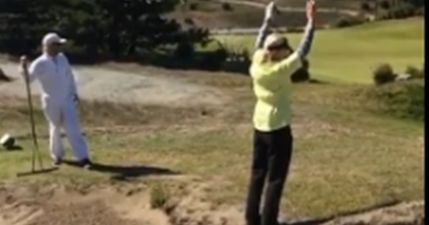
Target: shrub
{"x": 348, "y": 21}
{"x": 384, "y": 74}
{"x": 158, "y": 196}
{"x": 420, "y": 11}
{"x": 212, "y": 60}
{"x": 193, "y": 6}
{"x": 414, "y": 72}
{"x": 237, "y": 62}
{"x": 385, "y": 4}
{"x": 302, "y": 74}
{"x": 365, "y": 6}
{"x": 226, "y": 6}
{"x": 401, "y": 11}
{"x": 189, "y": 21}
{"x": 184, "y": 50}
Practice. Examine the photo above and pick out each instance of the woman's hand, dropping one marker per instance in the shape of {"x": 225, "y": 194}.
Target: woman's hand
{"x": 270, "y": 10}
{"x": 311, "y": 10}
{"x": 305, "y": 45}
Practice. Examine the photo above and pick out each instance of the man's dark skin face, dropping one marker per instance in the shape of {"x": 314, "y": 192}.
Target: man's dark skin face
{"x": 53, "y": 49}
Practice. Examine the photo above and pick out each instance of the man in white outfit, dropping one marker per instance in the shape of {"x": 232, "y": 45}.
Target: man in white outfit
{"x": 59, "y": 96}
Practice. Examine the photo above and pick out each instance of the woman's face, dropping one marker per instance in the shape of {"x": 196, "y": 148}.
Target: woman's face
{"x": 279, "y": 50}
{"x": 279, "y": 54}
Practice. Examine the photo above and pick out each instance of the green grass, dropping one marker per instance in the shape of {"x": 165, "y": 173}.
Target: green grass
{"x": 346, "y": 157}
{"x": 403, "y": 100}
{"x": 350, "y": 55}
{"x": 158, "y": 196}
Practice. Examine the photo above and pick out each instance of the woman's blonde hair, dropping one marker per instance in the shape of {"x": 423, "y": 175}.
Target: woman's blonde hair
{"x": 273, "y": 40}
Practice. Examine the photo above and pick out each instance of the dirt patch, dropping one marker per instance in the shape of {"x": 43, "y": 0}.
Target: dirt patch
{"x": 403, "y": 214}
{"x": 129, "y": 204}
{"x": 59, "y": 205}
{"x": 192, "y": 207}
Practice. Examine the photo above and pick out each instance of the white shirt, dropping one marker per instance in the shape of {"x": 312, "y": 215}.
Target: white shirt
{"x": 55, "y": 76}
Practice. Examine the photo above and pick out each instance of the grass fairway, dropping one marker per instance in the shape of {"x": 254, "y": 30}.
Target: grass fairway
{"x": 349, "y": 55}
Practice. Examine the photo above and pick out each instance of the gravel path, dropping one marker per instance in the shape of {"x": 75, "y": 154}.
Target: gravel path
{"x": 105, "y": 84}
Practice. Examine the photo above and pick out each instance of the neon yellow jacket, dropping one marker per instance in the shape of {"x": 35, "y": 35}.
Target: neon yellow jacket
{"x": 272, "y": 87}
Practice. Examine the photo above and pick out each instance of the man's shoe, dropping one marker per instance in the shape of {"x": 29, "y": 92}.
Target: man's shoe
{"x": 57, "y": 162}
{"x": 86, "y": 164}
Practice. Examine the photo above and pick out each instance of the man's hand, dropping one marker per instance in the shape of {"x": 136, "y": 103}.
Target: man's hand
{"x": 23, "y": 66}
{"x": 270, "y": 11}
{"x": 311, "y": 10}
{"x": 76, "y": 99}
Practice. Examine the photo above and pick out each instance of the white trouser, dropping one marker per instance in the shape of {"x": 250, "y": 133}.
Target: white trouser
{"x": 64, "y": 115}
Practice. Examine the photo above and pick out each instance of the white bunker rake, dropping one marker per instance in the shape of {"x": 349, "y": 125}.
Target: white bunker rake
{"x": 35, "y": 149}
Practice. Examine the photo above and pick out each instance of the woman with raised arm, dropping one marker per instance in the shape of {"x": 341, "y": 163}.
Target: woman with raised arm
{"x": 272, "y": 66}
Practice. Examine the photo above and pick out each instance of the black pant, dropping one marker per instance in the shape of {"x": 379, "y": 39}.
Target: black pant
{"x": 271, "y": 159}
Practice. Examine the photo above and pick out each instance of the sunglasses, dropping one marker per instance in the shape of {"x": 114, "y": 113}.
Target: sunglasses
{"x": 281, "y": 46}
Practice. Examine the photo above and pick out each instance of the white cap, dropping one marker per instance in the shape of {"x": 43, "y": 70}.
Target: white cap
{"x": 4, "y": 139}
{"x": 7, "y": 141}
{"x": 51, "y": 38}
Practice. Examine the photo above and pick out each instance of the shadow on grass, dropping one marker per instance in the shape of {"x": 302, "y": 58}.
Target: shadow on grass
{"x": 316, "y": 81}
{"x": 344, "y": 214}
{"x": 123, "y": 173}
{"x": 12, "y": 148}
{"x": 36, "y": 172}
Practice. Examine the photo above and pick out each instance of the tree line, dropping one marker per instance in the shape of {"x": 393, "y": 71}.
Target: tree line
{"x": 96, "y": 28}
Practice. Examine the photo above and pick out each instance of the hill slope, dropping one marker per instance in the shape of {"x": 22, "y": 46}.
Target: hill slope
{"x": 249, "y": 13}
